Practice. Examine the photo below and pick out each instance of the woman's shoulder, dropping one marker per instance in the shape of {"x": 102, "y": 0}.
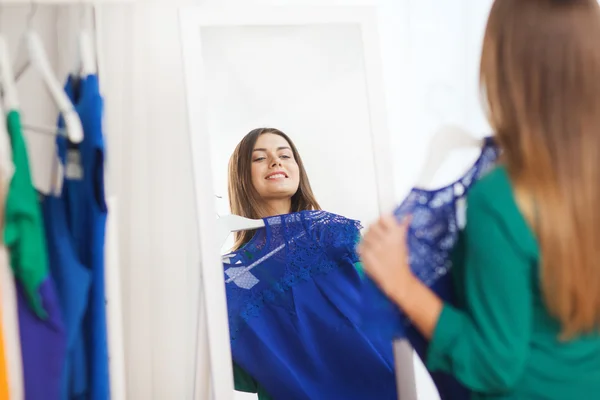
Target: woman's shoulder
{"x": 492, "y": 200}
{"x": 326, "y": 218}
{"x": 494, "y": 183}
{"x": 336, "y": 234}
{"x": 319, "y": 225}
{"x": 494, "y": 194}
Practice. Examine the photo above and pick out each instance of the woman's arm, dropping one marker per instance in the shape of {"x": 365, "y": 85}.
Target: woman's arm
{"x": 422, "y": 306}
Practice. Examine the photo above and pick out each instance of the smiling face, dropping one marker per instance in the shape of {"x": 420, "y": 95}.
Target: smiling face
{"x": 267, "y": 178}
{"x": 275, "y": 173}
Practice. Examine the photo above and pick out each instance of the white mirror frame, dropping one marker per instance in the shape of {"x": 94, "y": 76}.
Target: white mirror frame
{"x": 213, "y": 375}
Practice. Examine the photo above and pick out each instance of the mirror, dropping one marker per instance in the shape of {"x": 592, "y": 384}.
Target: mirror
{"x": 313, "y": 74}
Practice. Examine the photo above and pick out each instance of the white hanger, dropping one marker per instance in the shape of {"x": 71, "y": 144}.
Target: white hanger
{"x": 446, "y": 140}
{"x": 7, "y": 78}
{"x": 234, "y": 223}
{"x": 85, "y": 63}
{"x": 39, "y": 60}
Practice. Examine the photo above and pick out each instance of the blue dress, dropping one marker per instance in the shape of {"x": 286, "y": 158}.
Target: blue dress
{"x": 293, "y": 299}
{"x": 86, "y": 212}
{"x": 72, "y": 280}
{"x": 432, "y": 237}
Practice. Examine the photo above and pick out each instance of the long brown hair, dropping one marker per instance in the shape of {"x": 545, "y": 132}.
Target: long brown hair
{"x": 540, "y": 71}
{"x": 244, "y": 200}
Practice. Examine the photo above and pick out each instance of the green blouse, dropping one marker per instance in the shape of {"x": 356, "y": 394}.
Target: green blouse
{"x": 504, "y": 345}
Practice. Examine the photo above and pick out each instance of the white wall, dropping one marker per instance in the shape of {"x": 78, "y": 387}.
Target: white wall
{"x": 150, "y": 171}
{"x": 431, "y": 71}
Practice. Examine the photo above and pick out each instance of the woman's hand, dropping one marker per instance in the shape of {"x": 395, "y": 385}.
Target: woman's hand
{"x": 384, "y": 256}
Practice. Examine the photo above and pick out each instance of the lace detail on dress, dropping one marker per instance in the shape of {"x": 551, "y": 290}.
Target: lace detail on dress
{"x": 292, "y": 248}
{"x": 434, "y": 227}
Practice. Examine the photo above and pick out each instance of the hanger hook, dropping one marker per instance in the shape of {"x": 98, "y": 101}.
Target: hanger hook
{"x": 31, "y": 14}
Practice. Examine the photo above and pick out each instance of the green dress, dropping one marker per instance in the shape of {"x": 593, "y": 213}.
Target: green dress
{"x": 504, "y": 345}
{"x": 24, "y": 230}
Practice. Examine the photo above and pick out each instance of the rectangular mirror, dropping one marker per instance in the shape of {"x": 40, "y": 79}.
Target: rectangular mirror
{"x": 313, "y": 73}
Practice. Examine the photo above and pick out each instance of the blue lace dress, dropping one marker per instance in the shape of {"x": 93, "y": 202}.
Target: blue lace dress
{"x": 432, "y": 236}
{"x": 293, "y": 299}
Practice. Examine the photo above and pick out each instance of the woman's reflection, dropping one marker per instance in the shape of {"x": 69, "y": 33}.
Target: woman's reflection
{"x": 267, "y": 177}
{"x": 294, "y": 287}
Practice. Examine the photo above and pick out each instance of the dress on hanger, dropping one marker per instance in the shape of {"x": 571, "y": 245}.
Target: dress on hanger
{"x": 293, "y": 297}
{"x": 72, "y": 284}
{"x": 86, "y": 212}
{"x": 22, "y": 227}
{"x": 437, "y": 216}
{"x": 42, "y": 336}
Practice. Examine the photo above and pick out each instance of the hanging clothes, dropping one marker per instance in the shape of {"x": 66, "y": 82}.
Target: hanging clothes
{"x": 437, "y": 218}
{"x": 293, "y": 298}
{"x": 82, "y": 206}
{"x": 23, "y": 228}
{"x": 43, "y": 343}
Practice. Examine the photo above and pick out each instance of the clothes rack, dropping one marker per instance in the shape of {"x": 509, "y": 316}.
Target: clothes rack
{"x": 115, "y": 325}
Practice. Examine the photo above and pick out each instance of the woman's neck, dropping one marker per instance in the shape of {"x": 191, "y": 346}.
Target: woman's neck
{"x": 279, "y": 206}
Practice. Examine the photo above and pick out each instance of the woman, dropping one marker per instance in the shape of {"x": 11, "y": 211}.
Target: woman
{"x": 527, "y": 262}
{"x": 304, "y": 341}
{"x": 267, "y": 177}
